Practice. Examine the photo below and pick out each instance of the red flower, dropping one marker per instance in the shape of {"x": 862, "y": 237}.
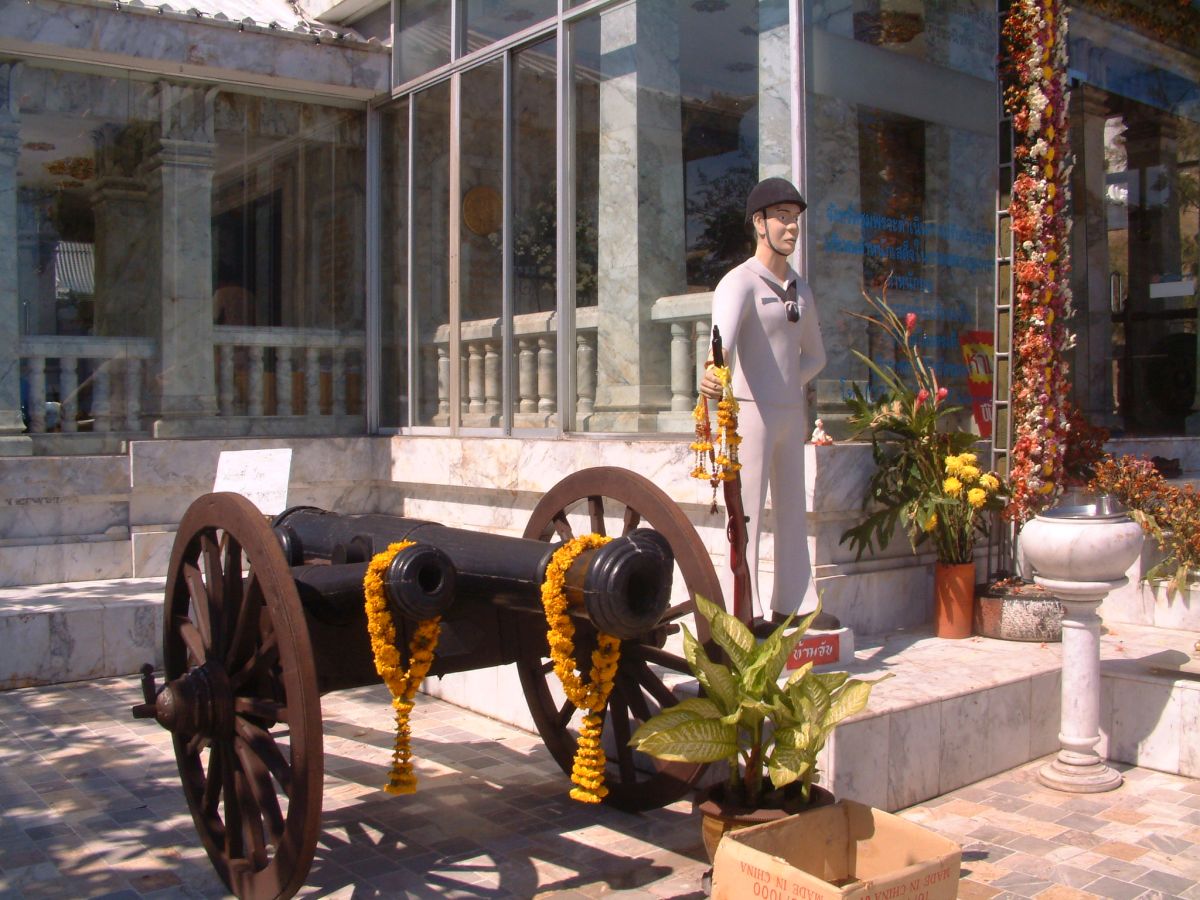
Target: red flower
{"x": 910, "y": 323}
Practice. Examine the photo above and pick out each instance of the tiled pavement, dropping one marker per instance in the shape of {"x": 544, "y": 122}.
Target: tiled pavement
{"x": 90, "y": 806}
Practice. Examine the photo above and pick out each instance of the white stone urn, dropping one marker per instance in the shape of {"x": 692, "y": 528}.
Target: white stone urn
{"x": 1079, "y": 554}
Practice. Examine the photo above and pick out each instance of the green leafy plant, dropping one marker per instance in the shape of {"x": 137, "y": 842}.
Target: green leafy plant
{"x": 769, "y": 734}
{"x": 1169, "y": 514}
{"x": 925, "y": 480}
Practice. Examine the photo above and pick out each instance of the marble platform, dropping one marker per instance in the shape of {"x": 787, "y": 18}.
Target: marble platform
{"x": 954, "y": 712}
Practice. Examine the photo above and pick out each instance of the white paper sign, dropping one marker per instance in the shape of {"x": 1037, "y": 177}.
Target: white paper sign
{"x": 261, "y": 476}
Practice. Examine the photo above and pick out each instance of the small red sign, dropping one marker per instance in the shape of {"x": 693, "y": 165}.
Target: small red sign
{"x": 819, "y": 649}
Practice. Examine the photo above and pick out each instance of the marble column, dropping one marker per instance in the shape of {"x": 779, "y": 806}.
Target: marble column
{"x": 13, "y": 441}
{"x": 641, "y": 229}
{"x": 180, "y": 176}
{"x": 123, "y": 223}
{"x": 774, "y": 92}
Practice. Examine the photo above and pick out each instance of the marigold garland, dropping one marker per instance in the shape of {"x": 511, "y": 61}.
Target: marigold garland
{"x": 587, "y": 773}
{"x": 402, "y": 683}
{"x": 717, "y": 459}
{"x": 1035, "y": 36}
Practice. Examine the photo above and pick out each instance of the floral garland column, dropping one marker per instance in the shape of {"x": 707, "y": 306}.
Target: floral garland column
{"x": 1036, "y": 96}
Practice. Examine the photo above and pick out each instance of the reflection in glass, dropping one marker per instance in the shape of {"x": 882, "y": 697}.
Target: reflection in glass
{"x": 430, "y": 229}
{"x": 393, "y": 252}
{"x": 481, "y": 273}
{"x": 488, "y": 21}
{"x": 535, "y": 238}
{"x": 1135, "y": 132}
{"x": 223, "y": 285}
{"x": 679, "y": 108}
{"x": 422, "y": 37}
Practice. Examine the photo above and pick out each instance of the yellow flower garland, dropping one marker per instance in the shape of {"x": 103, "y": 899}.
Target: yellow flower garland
{"x": 717, "y": 459}
{"x": 588, "y": 771}
{"x": 402, "y": 684}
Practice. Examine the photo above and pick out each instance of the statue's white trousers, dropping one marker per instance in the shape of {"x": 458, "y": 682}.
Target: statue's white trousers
{"x": 772, "y": 455}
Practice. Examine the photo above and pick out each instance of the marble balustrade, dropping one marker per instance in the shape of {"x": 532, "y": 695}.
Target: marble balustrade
{"x": 248, "y": 384}
{"x": 535, "y": 384}
{"x": 109, "y": 372}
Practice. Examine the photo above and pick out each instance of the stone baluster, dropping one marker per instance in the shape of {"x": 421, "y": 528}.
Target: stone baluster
{"x": 585, "y": 372}
{"x": 254, "y": 403}
{"x": 133, "y": 394}
{"x": 681, "y": 366}
{"x": 475, "y": 390}
{"x": 37, "y": 394}
{"x": 547, "y": 379}
{"x": 702, "y": 338}
{"x": 443, "y": 383}
{"x": 491, "y": 379}
{"x": 102, "y": 397}
{"x": 527, "y": 375}
{"x": 339, "y": 381}
{"x": 68, "y": 390}
{"x": 283, "y": 381}
{"x": 312, "y": 381}
{"x": 225, "y": 378}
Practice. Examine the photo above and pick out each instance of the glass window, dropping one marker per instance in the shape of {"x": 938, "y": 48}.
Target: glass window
{"x": 430, "y": 229}
{"x": 1135, "y": 191}
{"x": 480, "y": 242}
{"x": 489, "y": 20}
{"x": 393, "y": 252}
{"x": 535, "y": 239}
{"x": 679, "y": 109}
{"x": 422, "y": 41}
{"x": 901, "y": 189}
{"x": 199, "y": 270}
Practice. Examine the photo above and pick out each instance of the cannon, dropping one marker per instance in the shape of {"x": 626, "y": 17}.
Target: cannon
{"x": 261, "y": 618}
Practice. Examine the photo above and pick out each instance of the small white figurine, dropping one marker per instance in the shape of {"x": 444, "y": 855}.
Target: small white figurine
{"x": 819, "y": 437}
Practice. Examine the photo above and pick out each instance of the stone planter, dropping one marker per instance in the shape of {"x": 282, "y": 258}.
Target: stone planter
{"x": 1015, "y": 610}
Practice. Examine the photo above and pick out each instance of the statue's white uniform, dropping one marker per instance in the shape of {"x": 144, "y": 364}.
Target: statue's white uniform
{"x": 772, "y": 360}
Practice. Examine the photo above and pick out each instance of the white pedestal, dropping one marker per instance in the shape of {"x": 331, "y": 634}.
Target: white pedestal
{"x": 1078, "y": 768}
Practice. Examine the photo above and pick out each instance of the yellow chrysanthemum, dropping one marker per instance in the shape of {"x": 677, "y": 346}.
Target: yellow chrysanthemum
{"x": 977, "y": 497}
{"x": 968, "y": 459}
{"x": 968, "y": 474}
{"x": 587, "y": 773}
{"x": 401, "y": 683}
{"x": 989, "y": 482}
{"x": 952, "y": 486}
{"x": 932, "y": 523}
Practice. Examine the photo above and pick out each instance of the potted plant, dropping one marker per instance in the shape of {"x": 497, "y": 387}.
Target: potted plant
{"x": 768, "y": 733}
{"x": 926, "y": 480}
{"x": 1167, "y": 513}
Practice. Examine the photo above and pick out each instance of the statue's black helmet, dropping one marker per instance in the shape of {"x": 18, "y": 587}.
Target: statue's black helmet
{"x": 771, "y": 191}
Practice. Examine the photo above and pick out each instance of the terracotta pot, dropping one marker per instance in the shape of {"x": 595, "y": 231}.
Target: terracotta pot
{"x": 953, "y": 599}
{"x": 720, "y": 816}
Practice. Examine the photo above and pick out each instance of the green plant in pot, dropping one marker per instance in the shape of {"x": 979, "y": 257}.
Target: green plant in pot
{"x": 769, "y": 734}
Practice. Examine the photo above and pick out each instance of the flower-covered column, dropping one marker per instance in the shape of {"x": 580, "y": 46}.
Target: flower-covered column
{"x": 1035, "y": 36}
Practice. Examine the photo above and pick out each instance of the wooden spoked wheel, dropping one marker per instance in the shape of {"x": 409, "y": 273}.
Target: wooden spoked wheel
{"x": 614, "y": 501}
{"x": 241, "y": 698}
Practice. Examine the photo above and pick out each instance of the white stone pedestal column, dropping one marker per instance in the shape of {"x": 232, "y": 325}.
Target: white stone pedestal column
{"x": 1078, "y": 768}
{"x": 1079, "y": 554}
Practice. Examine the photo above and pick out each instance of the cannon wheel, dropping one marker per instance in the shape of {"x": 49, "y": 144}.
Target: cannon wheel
{"x": 238, "y": 662}
{"x": 634, "y": 782}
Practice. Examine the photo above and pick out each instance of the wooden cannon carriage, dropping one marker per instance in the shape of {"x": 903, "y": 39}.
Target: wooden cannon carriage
{"x": 261, "y": 619}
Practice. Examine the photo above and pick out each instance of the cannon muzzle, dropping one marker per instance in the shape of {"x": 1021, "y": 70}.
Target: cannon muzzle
{"x": 626, "y": 586}
{"x": 419, "y": 583}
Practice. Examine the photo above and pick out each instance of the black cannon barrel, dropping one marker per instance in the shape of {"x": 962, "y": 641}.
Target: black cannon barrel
{"x": 418, "y": 583}
{"x": 624, "y": 586}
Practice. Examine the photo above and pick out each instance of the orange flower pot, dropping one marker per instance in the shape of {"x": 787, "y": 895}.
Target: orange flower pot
{"x": 953, "y": 599}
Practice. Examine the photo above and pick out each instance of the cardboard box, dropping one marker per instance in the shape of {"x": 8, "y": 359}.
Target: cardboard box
{"x": 846, "y": 850}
